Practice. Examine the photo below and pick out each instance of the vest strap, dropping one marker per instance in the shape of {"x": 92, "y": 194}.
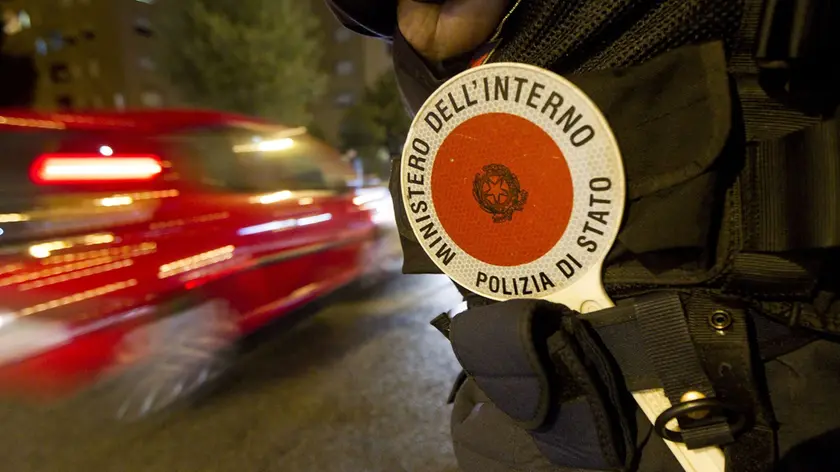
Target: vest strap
{"x": 789, "y": 191}
{"x": 543, "y": 368}
{"x": 668, "y": 344}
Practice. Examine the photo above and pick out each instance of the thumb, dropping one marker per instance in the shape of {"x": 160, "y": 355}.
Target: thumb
{"x": 447, "y": 28}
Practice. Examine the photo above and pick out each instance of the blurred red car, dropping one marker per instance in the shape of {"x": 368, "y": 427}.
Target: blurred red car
{"x": 147, "y": 243}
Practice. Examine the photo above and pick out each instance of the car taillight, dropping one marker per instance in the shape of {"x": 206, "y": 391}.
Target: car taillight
{"x": 80, "y": 168}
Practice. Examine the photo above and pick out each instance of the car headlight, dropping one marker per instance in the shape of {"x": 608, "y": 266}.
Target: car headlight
{"x": 25, "y": 337}
{"x": 6, "y": 318}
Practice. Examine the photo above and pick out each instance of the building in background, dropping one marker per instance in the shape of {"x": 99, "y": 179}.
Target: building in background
{"x": 353, "y": 62}
{"x": 88, "y": 53}
{"x": 98, "y": 54}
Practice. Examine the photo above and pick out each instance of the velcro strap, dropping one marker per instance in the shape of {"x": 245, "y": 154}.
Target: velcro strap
{"x": 728, "y": 358}
{"x": 669, "y": 346}
{"x": 789, "y": 191}
{"x": 754, "y": 274}
{"x": 725, "y": 355}
{"x": 539, "y": 365}
{"x": 499, "y": 346}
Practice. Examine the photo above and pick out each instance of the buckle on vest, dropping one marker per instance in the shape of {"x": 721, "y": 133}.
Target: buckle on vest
{"x": 442, "y": 323}
{"x": 697, "y": 413}
{"x": 796, "y": 49}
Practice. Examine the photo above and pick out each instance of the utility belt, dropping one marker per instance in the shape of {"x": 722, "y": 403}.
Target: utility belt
{"x": 565, "y": 378}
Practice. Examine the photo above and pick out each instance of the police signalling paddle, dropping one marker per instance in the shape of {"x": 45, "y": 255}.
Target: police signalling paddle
{"x": 514, "y": 186}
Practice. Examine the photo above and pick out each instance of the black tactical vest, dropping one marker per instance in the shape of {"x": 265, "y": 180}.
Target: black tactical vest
{"x": 726, "y": 261}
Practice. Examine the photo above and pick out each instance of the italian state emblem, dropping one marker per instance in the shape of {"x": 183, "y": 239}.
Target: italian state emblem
{"x": 497, "y": 191}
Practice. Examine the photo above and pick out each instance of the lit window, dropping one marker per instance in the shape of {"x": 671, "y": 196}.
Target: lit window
{"x": 345, "y": 99}
{"x": 342, "y": 35}
{"x": 41, "y": 46}
{"x": 24, "y": 19}
{"x": 344, "y": 68}
{"x": 119, "y": 101}
{"x": 93, "y": 68}
{"x": 14, "y": 23}
{"x": 151, "y": 99}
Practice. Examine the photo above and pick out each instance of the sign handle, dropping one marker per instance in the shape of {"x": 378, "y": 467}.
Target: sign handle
{"x": 588, "y": 296}
{"x": 708, "y": 459}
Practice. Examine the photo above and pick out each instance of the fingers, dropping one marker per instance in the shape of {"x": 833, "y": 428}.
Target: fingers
{"x": 448, "y": 28}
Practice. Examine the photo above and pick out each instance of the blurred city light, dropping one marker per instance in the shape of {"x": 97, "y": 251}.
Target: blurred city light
{"x": 272, "y": 197}
{"x": 13, "y": 217}
{"x": 115, "y": 201}
{"x": 265, "y": 146}
{"x": 41, "y": 251}
{"x": 80, "y": 168}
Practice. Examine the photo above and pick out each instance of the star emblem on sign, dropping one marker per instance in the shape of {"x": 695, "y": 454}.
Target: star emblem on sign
{"x": 496, "y": 190}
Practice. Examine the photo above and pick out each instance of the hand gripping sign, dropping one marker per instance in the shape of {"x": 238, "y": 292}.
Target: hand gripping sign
{"x": 514, "y": 186}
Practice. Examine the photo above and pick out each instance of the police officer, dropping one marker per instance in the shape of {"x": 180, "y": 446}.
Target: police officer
{"x": 727, "y": 259}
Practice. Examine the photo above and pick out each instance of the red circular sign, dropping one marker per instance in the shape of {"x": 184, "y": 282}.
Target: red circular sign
{"x": 502, "y": 189}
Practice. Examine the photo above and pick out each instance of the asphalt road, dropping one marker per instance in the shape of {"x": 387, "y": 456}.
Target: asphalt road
{"x": 359, "y": 386}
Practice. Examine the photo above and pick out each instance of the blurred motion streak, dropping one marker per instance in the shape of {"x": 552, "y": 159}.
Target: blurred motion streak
{"x": 378, "y": 202}
{"x": 13, "y": 218}
{"x": 27, "y": 123}
{"x": 197, "y": 219}
{"x": 117, "y": 200}
{"x": 273, "y": 197}
{"x": 77, "y": 297}
{"x": 44, "y": 250}
{"x": 265, "y": 146}
{"x": 58, "y": 168}
{"x": 266, "y": 227}
{"x": 21, "y": 278}
{"x": 122, "y": 251}
{"x": 76, "y": 273}
{"x": 195, "y": 262}
{"x": 284, "y": 224}
{"x": 152, "y": 239}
